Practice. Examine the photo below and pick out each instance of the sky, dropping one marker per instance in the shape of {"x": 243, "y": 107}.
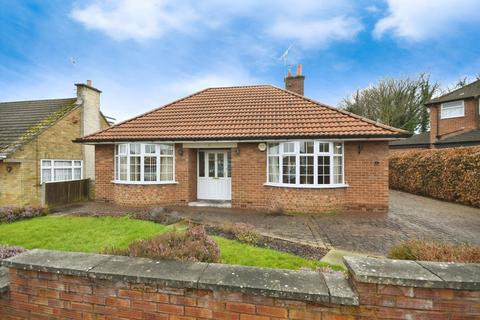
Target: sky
{"x": 145, "y": 53}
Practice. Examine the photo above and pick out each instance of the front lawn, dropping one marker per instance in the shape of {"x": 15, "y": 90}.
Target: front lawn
{"x": 95, "y": 234}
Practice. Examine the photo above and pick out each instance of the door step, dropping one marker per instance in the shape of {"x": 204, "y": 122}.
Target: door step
{"x": 211, "y": 203}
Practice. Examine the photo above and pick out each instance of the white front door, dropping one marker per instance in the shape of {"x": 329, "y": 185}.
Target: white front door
{"x": 214, "y": 180}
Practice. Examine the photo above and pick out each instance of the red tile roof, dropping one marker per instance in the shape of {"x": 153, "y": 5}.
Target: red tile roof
{"x": 243, "y": 113}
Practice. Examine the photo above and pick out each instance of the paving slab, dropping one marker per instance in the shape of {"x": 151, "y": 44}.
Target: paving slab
{"x": 302, "y": 285}
{"x": 71, "y": 263}
{"x": 395, "y": 272}
{"x": 340, "y": 290}
{"x": 460, "y": 276}
{"x": 141, "y": 270}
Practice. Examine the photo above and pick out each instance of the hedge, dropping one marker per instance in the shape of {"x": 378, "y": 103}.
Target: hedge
{"x": 451, "y": 174}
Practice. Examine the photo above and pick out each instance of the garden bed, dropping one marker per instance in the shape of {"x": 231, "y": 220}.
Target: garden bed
{"x": 302, "y": 250}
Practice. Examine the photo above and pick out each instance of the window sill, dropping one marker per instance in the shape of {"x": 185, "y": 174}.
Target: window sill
{"x": 306, "y": 186}
{"x": 144, "y": 182}
{"x": 453, "y": 117}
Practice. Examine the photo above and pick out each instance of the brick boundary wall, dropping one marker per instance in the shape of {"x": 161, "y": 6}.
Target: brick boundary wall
{"x": 59, "y": 285}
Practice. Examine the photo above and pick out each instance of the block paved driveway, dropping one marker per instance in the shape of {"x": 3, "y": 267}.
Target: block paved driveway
{"x": 410, "y": 217}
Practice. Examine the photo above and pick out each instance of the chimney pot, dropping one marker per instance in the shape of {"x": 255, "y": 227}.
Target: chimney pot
{"x": 89, "y": 83}
{"x": 299, "y": 69}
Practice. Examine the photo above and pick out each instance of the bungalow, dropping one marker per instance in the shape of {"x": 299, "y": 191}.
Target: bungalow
{"x": 257, "y": 147}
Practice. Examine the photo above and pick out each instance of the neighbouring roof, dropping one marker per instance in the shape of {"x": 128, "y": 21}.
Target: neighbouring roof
{"x": 423, "y": 139}
{"x": 468, "y": 91}
{"x": 22, "y": 120}
{"x": 416, "y": 139}
{"x": 242, "y": 113}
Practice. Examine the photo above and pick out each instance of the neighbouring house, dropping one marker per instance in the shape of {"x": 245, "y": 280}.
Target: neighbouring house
{"x": 258, "y": 147}
{"x": 454, "y": 122}
{"x": 36, "y": 143}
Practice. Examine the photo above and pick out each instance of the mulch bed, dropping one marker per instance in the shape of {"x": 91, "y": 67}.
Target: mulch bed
{"x": 302, "y": 250}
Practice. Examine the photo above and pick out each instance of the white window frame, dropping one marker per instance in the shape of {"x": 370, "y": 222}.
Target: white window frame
{"x": 452, "y": 105}
{"x": 52, "y": 166}
{"x": 142, "y": 156}
{"x": 297, "y": 154}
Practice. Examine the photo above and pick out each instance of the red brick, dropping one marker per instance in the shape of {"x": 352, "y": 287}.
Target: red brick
{"x": 154, "y": 296}
{"x": 223, "y": 315}
{"x": 171, "y": 309}
{"x": 198, "y": 312}
{"x": 272, "y": 311}
{"x": 181, "y": 300}
{"x": 240, "y": 307}
{"x": 130, "y": 294}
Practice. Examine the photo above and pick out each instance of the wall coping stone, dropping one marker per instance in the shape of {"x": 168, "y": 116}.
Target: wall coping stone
{"x": 459, "y": 276}
{"x": 3, "y": 280}
{"x": 287, "y": 284}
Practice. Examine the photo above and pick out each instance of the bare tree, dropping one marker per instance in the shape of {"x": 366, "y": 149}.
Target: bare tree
{"x": 396, "y": 102}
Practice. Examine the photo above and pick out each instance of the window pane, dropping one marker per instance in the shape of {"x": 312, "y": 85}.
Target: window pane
{"x": 166, "y": 169}
{"x": 306, "y": 146}
{"x": 337, "y": 148}
{"x": 62, "y": 163}
{"x": 150, "y": 168}
{"x": 134, "y": 148}
{"x": 134, "y": 168}
{"x": 229, "y": 164}
{"x": 289, "y": 147}
{"x": 150, "y": 149}
{"x": 289, "y": 169}
{"x": 220, "y": 165}
{"x": 273, "y": 148}
{"x": 274, "y": 169}
{"x": 323, "y": 147}
{"x": 306, "y": 170}
{"x": 123, "y": 168}
{"x": 46, "y": 163}
{"x": 62, "y": 174}
{"x": 211, "y": 165}
{"x": 77, "y": 173}
{"x": 122, "y": 149}
{"x": 201, "y": 164}
{"x": 46, "y": 175}
{"x": 77, "y": 163}
{"x": 323, "y": 170}
{"x": 452, "y": 109}
{"x": 166, "y": 149}
{"x": 337, "y": 170}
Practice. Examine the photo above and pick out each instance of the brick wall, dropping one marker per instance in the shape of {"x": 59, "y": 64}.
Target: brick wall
{"x": 179, "y": 193}
{"x": 65, "y": 291}
{"x": 448, "y": 127}
{"x": 366, "y": 173}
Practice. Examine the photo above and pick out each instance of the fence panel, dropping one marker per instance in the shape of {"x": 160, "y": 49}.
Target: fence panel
{"x": 65, "y": 192}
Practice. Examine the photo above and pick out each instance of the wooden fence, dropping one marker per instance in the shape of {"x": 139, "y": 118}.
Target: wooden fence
{"x": 65, "y": 192}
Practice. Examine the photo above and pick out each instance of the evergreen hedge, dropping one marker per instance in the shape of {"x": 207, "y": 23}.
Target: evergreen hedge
{"x": 451, "y": 174}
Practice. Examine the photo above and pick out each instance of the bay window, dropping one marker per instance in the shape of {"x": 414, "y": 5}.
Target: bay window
{"x": 145, "y": 163}
{"x": 61, "y": 170}
{"x": 305, "y": 164}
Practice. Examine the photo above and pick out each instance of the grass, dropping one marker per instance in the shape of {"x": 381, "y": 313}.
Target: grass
{"x": 88, "y": 234}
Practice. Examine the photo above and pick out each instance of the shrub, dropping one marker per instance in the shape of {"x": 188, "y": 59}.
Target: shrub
{"x": 435, "y": 251}
{"x": 448, "y": 174}
{"x": 11, "y": 214}
{"x": 192, "y": 245}
{"x": 7, "y": 252}
{"x": 243, "y": 232}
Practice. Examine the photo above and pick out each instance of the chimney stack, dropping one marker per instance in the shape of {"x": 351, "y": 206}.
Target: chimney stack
{"x": 295, "y": 83}
{"x": 89, "y": 83}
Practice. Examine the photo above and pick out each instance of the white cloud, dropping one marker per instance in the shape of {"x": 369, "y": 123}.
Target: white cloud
{"x": 415, "y": 20}
{"x": 318, "y": 33}
{"x": 137, "y": 19}
{"x": 312, "y": 23}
